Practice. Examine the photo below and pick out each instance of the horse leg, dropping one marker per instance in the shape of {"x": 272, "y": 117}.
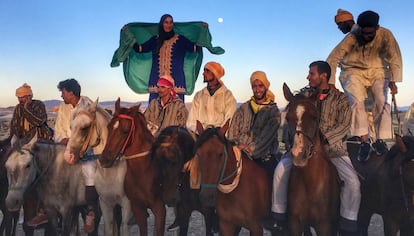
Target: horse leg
{"x": 364, "y": 218}
{"x": 14, "y": 221}
{"x": 183, "y": 213}
{"x": 159, "y": 217}
{"x": 30, "y": 205}
{"x": 140, "y": 214}
{"x": 126, "y": 215}
{"x": 211, "y": 220}
{"x": 108, "y": 216}
{"x": 227, "y": 228}
{"x": 390, "y": 226}
{"x": 255, "y": 229}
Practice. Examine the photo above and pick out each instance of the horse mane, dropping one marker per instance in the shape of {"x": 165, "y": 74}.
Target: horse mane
{"x": 207, "y": 134}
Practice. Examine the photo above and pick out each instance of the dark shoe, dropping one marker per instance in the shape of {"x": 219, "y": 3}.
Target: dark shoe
{"x": 89, "y": 226}
{"x": 364, "y": 151}
{"x": 275, "y": 223}
{"x": 40, "y": 219}
{"x": 173, "y": 227}
{"x": 348, "y": 226}
{"x": 380, "y": 147}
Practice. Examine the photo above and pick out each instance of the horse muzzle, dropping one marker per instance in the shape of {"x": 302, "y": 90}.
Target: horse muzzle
{"x": 208, "y": 196}
{"x": 14, "y": 201}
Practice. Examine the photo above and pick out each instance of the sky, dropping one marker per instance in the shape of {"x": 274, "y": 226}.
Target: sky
{"x": 43, "y": 42}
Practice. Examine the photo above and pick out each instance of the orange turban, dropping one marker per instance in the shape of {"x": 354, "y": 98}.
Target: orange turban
{"x": 216, "y": 69}
{"x": 24, "y": 90}
{"x": 342, "y": 16}
{"x": 261, "y": 76}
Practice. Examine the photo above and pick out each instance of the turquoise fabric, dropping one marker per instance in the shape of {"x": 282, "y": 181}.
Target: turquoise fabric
{"x": 137, "y": 66}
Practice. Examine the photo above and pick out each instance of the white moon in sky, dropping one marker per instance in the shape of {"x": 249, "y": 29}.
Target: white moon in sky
{"x": 220, "y": 19}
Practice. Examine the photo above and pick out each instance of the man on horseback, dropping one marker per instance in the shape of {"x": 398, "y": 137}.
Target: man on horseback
{"x": 334, "y": 123}
{"x": 214, "y": 104}
{"x": 254, "y": 126}
{"x": 70, "y": 92}
{"x": 29, "y": 116}
{"x": 166, "y": 110}
{"x": 370, "y": 60}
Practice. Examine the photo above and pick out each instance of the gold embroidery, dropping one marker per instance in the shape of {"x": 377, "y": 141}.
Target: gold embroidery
{"x": 165, "y": 55}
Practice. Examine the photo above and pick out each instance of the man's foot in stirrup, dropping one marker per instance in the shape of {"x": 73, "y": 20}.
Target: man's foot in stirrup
{"x": 380, "y": 147}
{"x": 39, "y": 219}
{"x": 174, "y": 226}
{"x": 274, "y": 223}
{"x": 364, "y": 151}
{"x": 89, "y": 226}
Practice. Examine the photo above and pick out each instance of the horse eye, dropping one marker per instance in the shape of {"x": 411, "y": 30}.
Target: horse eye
{"x": 27, "y": 166}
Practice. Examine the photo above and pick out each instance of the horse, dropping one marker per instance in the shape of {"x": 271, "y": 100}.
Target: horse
{"x": 387, "y": 187}
{"x": 10, "y": 219}
{"x": 41, "y": 166}
{"x": 129, "y": 138}
{"x": 314, "y": 186}
{"x": 89, "y": 129}
{"x": 233, "y": 183}
{"x": 173, "y": 152}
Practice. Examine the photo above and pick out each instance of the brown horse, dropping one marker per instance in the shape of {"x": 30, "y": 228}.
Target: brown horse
{"x": 130, "y": 139}
{"x": 10, "y": 219}
{"x": 233, "y": 183}
{"x": 313, "y": 192}
{"x": 387, "y": 187}
{"x": 172, "y": 150}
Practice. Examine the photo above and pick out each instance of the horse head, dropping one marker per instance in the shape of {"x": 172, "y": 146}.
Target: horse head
{"x": 171, "y": 150}
{"x": 128, "y": 125}
{"x": 88, "y": 130}
{"x": 21, "y": 172}
{"x": 213, "y": 157}
{"x": 303, "y": 124}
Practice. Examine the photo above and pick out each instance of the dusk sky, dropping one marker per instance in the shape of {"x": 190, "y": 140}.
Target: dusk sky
{"x": 45, "y": 41}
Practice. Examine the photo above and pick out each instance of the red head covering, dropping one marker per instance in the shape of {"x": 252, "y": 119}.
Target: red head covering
{"x": 168, "y": 82}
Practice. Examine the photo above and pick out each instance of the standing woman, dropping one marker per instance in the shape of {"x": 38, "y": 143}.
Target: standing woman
{"x": 168, "y": 52}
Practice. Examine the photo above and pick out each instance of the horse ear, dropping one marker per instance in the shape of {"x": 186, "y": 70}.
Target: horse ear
{"x": 93, "y": 106}
{"x": 400, "y": 144}
{"x": 224, "y": 128}
{"x": 117, "y": 106}
{"x": 200, "y": 128}
{"x": 287, "y": 93}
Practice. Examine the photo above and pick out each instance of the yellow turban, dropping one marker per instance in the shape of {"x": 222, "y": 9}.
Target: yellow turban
{"x": 216, "y": 69}
{"x": 261, "y": 76}
{"x": 24, "y": 90}
{"x": 342, "y": 16}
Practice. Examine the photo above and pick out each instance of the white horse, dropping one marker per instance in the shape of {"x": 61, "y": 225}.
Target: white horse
{"x": 89, "y": 130}
{"x": 60, "y": 186}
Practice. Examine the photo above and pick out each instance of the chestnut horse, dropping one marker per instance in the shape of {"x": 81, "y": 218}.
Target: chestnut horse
{"x": 233, "y": 183}
{"x": 314, "y": 186}
{"x": 130, "y": 139}
{"x": 10, "y": 219}
{"x": 387, "y": 187}
{"x": 173, "y": 150}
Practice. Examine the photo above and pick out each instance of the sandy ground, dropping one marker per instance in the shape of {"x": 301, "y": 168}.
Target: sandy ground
{"x": 196, "y": 221}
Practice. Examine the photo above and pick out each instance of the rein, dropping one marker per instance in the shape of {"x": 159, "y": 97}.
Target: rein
{"x": 227, "y": 188}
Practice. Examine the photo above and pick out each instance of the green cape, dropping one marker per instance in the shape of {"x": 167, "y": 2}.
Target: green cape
{"x": 137, "y": 66}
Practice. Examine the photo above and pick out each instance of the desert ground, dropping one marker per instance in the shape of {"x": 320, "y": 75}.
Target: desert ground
{"x": 196, "y": 221}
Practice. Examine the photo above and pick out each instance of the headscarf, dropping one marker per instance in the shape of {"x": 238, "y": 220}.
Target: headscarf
{"x": 261, "y": 76}
{"x": 168, "y": 82}
{"x": 24, "y": 90}
{"x": 162, "y": 35}
{"x": 216, "y": 69}
{"x": 342, "y": 16}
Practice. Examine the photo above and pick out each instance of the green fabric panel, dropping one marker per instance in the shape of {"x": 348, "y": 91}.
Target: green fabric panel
{"x": 137, "y": 66}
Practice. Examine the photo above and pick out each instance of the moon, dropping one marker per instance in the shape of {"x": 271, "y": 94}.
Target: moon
{"x": 220, "y": 20}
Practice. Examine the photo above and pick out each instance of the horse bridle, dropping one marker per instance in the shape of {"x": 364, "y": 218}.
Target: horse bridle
{"x": 222, "y": 178}
{"x": 128, "y": 139}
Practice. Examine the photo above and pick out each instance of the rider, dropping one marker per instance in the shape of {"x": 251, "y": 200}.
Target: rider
{"x": 334, "y": 123}
{"x": 70, "y": 92}
{"x": 30, "y": 118}
{"x": 370, "y": 60}
{"x": 166, "y": 110}
{"x": 254, "y": 126}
